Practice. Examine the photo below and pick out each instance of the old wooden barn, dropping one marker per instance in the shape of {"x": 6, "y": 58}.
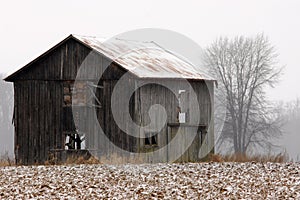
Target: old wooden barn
{"x": 54, "y": 107}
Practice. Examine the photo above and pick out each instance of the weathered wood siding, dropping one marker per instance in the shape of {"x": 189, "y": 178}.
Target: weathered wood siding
{"x": 151, "y": 94}
{"x": 64, "y": 62}
{"x": 108, "y": 124}
{"x": 42, "y": 119}
{"x": 37, "y": 118}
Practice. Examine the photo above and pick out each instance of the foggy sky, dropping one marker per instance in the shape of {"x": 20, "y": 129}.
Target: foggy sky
{"x": 29, "y": 28}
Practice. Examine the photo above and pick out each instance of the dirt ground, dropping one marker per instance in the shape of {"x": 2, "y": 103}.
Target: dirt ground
{"x": 152, "y": 181}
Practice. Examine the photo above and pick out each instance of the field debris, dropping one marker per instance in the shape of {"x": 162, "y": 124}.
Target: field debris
{"x": 152, "y": 181}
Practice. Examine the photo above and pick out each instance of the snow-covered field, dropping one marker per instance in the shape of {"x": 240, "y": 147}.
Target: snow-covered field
{"x": 152, "y": 181}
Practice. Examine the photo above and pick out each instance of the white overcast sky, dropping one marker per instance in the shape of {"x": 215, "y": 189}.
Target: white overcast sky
{"x": 29, "y": 28}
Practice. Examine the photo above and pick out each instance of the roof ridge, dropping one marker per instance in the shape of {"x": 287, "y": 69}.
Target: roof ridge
{"x": 89, "y": 36}
{"x": 133, "y": 40}
{"x": 191, "y": 67}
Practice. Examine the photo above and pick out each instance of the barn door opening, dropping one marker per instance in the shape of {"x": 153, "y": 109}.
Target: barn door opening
{"x": 80, "y": 125}
{"x": 73, "y": 138}
{"x": 80, "y": 100}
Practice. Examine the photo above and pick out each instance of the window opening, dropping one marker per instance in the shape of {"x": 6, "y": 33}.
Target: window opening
{"x": 151, "y": 139}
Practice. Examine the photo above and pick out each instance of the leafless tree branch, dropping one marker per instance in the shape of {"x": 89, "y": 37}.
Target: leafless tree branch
{"x": 244, "y": 67}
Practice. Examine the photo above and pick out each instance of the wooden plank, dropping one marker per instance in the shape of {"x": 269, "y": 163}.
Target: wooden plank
{"x": 26, "y": 102}
{"x": 32, "y": 126}
{"x": 112, "y": 123}
{"x": 137, "y": 113}
{"x": 107, "y": 115}
{"x": 42, "y": 121}
{"x": 24, "y": 126}
{"x": 44, "y": 93}
{"x": 162, "y": 134}
{"x": 35, "y": 119}
{"x": 17, "y": 121}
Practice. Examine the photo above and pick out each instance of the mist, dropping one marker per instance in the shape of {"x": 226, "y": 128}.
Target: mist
{"x": 6, "y": 113}
{"x": 30, "y": 28}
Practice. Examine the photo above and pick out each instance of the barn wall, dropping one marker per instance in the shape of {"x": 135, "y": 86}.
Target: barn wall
{"x": 207, "y": 107}
{"x": 37, "y": 118}
{"x": 41, "y": 117}
{"x": 63, "y": 62}
{"x": 111, "y": 130}
{"x": 151, "y": 94}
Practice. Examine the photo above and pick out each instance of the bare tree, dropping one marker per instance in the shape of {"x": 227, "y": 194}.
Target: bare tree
{"x": 244, "y": 67}
{"x": 291, "y": 110}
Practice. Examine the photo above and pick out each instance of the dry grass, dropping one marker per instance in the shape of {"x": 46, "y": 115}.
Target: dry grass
{"x": 115, "y": 158}
{"x": 83, "y": 160}
{"x": 6, "y": 160}
{"x": 279, "y": 158}
{"x": 74, "y": 160}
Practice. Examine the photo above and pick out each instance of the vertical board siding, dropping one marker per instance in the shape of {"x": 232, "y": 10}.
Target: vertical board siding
{"x": 41, "y": 119}
{"x": 36, "y": 125}
{"x": 63, "y": 63}
{"x": 40, "y": 123}
{"x": 151, "y": 94}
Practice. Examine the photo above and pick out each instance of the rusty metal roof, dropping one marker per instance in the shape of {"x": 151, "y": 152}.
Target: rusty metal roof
{"x": 144, "y": 59}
